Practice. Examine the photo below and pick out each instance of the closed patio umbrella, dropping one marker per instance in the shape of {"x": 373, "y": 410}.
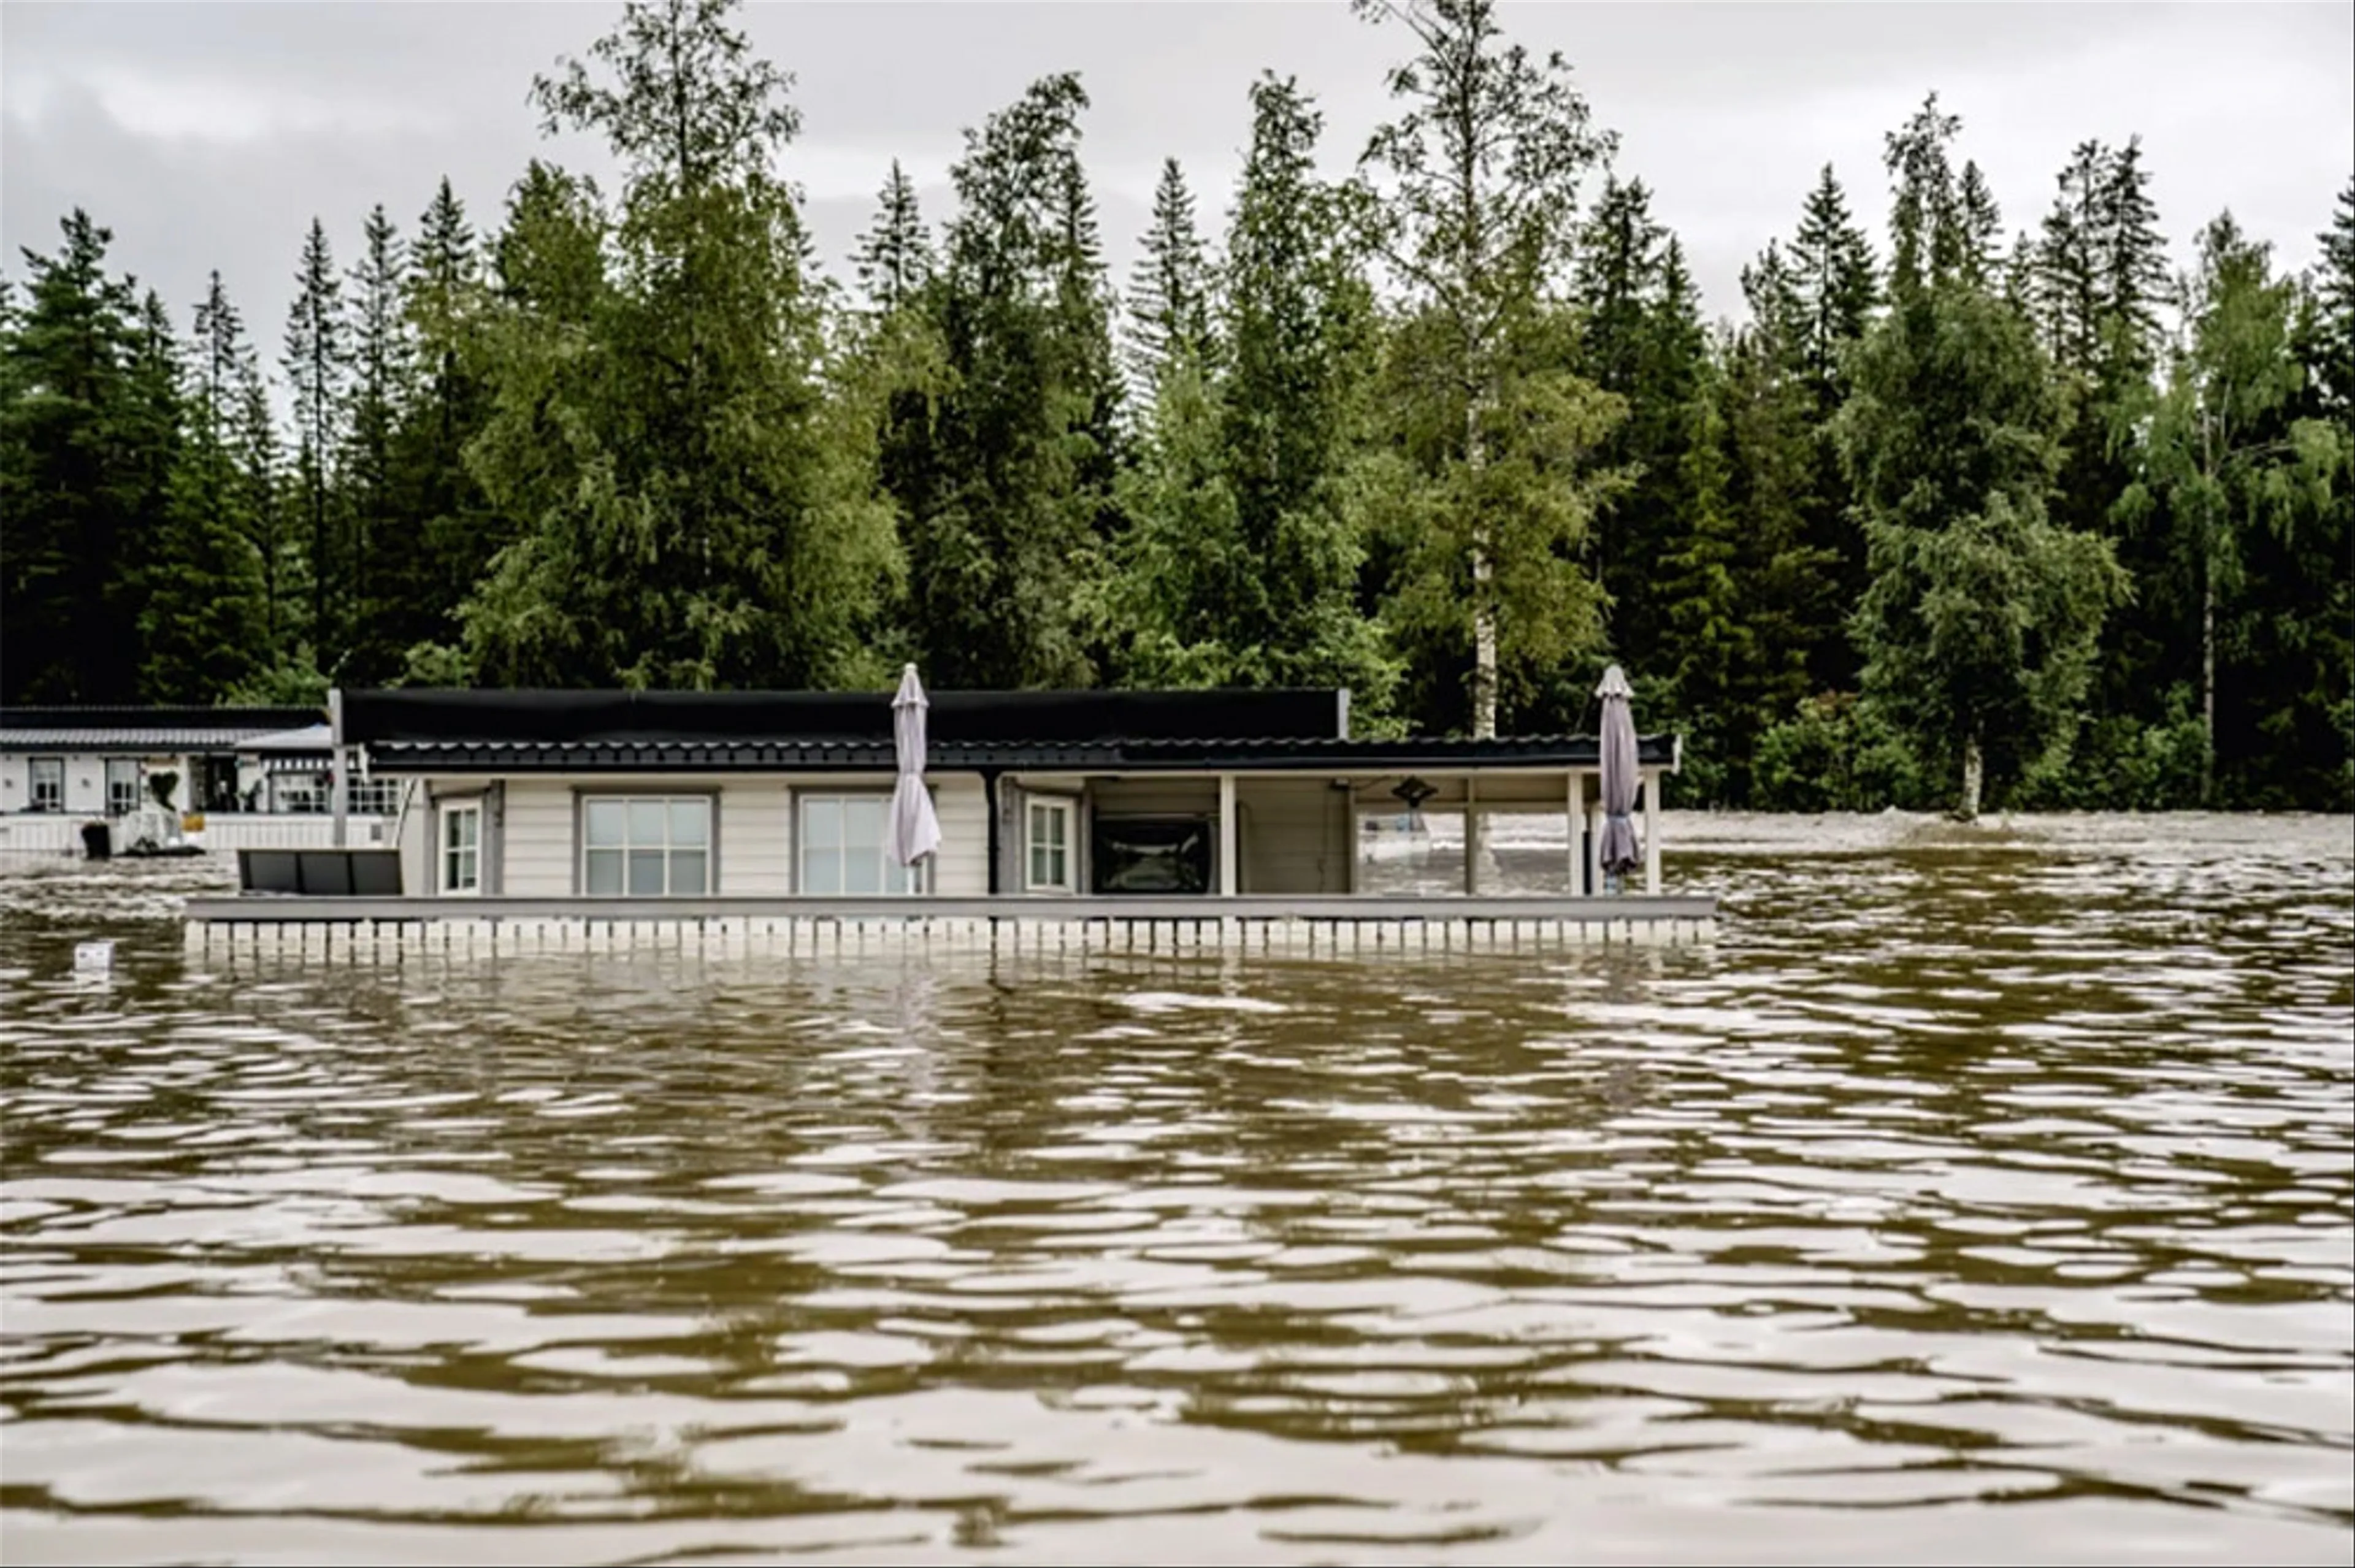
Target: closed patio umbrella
{"x": 1621, "y": 854}
{"x": 916, "y": 829}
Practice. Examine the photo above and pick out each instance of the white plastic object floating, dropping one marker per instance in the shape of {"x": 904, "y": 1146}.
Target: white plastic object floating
{"x": 94, "y": 958}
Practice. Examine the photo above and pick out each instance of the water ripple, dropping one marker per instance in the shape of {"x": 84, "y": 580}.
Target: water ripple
{"x": 1977, "y": 1194}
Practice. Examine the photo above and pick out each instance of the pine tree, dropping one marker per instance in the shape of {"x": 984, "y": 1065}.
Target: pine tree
{"x": 1835, "y": 280}
{"x": 1241, "y": 563}
{"x": 376, "y": 547}
{"x": 1169, "y": 294}
{"x": 693, "y": 523}
{"x": 895, "y": 257}
{"x": 1468, "y": 198}
{"x": 206, "y": 627}
{"x": 997, "y": 562}
{"x": 1642, "y": 341}
{"x": 1983, "y": 259}
{"x": 69, "y": 543}
{"x": 446, "y": 305}
{"x": 317, "y": 361}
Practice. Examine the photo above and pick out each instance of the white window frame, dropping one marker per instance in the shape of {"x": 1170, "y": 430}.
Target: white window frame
{"x": 371, "y": 797}
{"x": 449, "y": 815}
{"x": 1060, "y": 809}
{"x": 114, "y": 774}
{"x": 56, "y": 801}
{"x": 916, "y": 880}
{"x": 669, "y": 849}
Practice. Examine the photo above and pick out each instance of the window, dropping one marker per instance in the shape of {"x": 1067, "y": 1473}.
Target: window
{"x": 842, "y": 848}
{"x": 1050, "y": 846}
{"x": 372, "y": 797}
{"x": 122, "y": 785}
{"x": 461, "y": 847}
{"x": 298, "y": 795}
{"x": 48, "y": 783}
{"x": 645, "y": 848}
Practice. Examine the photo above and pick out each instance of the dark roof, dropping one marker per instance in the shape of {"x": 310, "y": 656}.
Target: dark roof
{"x": 101, "y": 729}
{"x": 1264, "y": 754}
{"x": 795, "y": 717}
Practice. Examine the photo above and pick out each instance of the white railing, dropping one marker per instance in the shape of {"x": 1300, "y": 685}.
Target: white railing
{"x": 59, "y": 833}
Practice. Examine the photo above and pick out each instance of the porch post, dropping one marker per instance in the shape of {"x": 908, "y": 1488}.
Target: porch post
{"x": 1577, "y": 856}
{"x": 1471, "y": 836}
{"x": 1652, "y": 832}
{"x": 1229, "y": 880}
{"x": 340, "y": 794}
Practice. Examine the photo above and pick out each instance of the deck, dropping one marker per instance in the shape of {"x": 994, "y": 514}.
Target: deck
{"x": 360, "y": 929}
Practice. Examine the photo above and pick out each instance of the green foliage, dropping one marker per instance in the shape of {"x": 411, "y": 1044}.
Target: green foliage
{"x": 1835, "y": 752}
{"x": 1452, "y": 435}
{"x": 75, "y": 519}
{"x": 205, "y": 615}
{"x": 1469, "y": 199}
{"x": 655, "y": 423}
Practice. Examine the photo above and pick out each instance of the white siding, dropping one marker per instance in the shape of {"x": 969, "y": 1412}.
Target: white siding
{"x": 756, "y": 860}
{"x": 1290, "y": 842}
{"x": 963, "y": 868}
{"x": 15, "y": 788}
{"x": 536, "y": 851}
{"x": 756, "y": 838}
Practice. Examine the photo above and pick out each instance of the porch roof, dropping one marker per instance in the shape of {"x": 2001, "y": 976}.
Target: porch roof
{"x": 98, "y": 729}
{"x": 1157, "y": 754}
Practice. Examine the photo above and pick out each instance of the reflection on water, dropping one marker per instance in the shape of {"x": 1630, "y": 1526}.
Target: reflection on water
{"x": 1976, "y": 1194}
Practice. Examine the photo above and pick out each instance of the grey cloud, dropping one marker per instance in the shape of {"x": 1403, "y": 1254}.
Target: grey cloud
{"x": 208, "y": 134}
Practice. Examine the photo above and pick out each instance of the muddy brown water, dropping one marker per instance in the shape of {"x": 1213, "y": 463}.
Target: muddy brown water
{"x": 1978, "y": 1196}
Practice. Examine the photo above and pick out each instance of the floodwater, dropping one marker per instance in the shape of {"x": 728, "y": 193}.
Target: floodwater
{"x": 1980, "y": 1195}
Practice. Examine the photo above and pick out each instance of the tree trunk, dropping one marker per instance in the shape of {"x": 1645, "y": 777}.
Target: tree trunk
{"x": 2208, "y": 686}
{"x": 1973, "y": 766}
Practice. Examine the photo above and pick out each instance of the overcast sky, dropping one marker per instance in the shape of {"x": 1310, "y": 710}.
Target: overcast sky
{"x": 208, "y": 134}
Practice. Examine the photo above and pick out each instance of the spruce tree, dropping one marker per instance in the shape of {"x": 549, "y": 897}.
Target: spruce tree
{"x": 317, "y": 364}
{"x": 70, "y": 432}
{"x": 446, "y": 304}
{"x": 380, "y": 552}
{"x": 997, "y": 561}
{"x": 1168, "y": 292}
{"x": 695, "y": 522}
{"x": 894, "y": 260}
{"x": 205, "y": 628}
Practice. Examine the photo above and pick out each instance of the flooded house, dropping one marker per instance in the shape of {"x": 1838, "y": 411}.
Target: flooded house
{"x": 222, "y": 778}
{"x": 534, "y": 817}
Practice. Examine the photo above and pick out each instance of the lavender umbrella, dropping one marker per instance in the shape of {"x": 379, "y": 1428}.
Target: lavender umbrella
{"x": 916, "y": 829}
{"x": 1621, "y": 854}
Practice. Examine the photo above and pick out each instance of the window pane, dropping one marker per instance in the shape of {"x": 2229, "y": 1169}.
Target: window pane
{"x": 646, "y": 873}
{"x": 1038, "y": 863}
{"x": 907, "y": 879}
{"x": 863, "y": 871}
{"x": 606, "y": 820}
{"x": 862, "y": 823}
{"x": 686, "y": 871}
{"x": 689, "y": 820}
{"x": 605, "y": 871}
{"x": 821, "y": 870}
{"x": 822, "y": 823}
{"x": 1056, "y": 863}
{"x": 646, "y": 825}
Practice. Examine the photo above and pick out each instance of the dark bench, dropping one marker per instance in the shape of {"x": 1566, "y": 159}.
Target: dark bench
{"x": 321, "y": 873}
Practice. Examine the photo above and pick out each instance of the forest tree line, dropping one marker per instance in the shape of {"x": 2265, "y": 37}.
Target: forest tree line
{"x": 1957, "y": 508}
